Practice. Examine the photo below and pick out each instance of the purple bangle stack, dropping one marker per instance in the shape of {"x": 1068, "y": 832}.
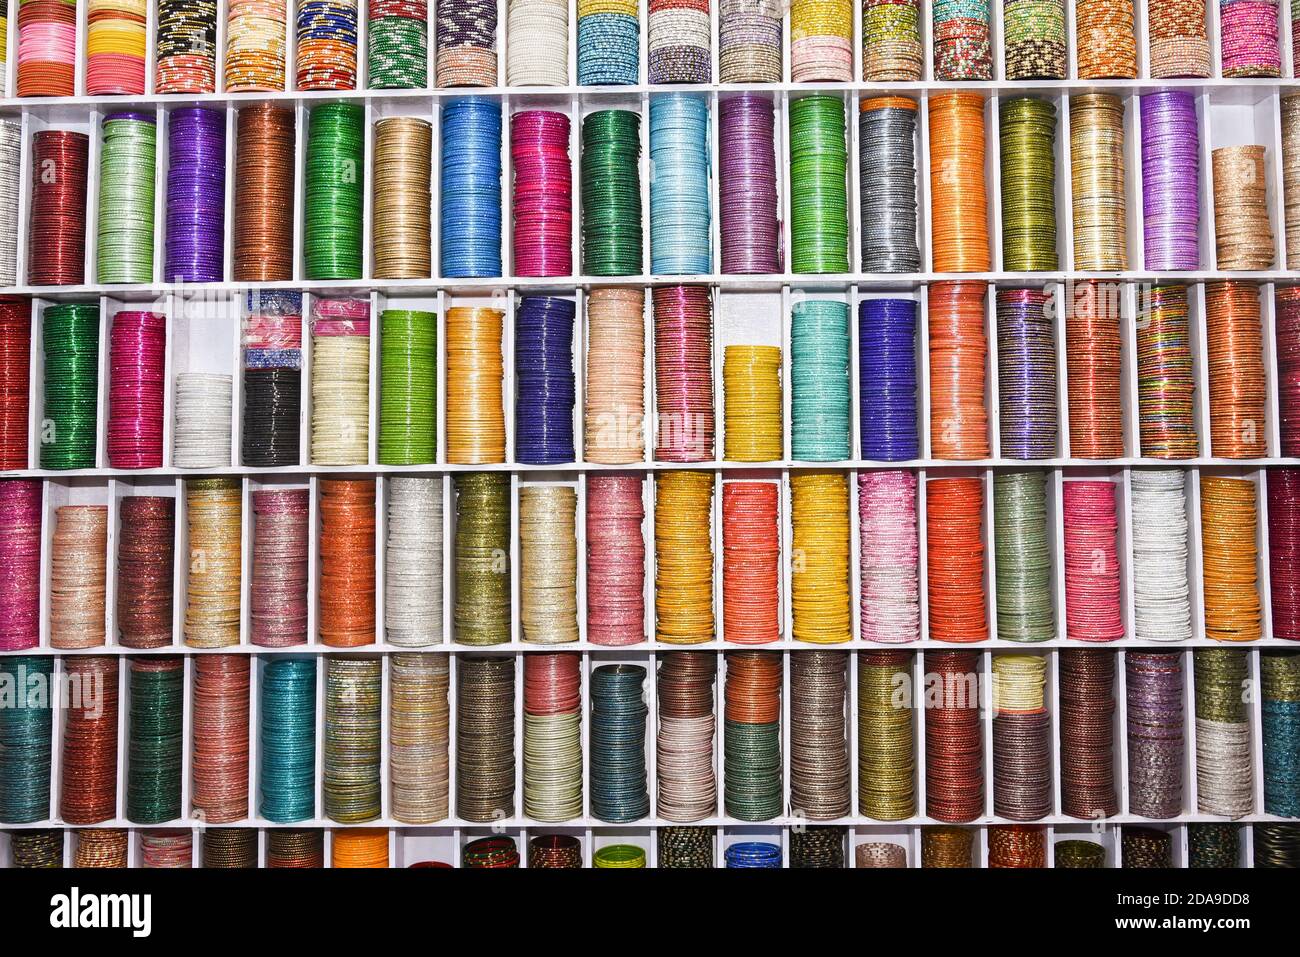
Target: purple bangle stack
{"x": 196, "y": 180}
{"x": 1026, "y": 374}
{"x": 1171, "y": 206}
{"x": 1154, "y": 683}
{"x": 750, "y": 232}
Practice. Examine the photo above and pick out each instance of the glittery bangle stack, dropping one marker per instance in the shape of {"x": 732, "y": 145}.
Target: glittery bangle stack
{"x": 1229, "y": 558}
{"x": 1286, "y": 345}
{"x": 1291, "y": 174}
{"x": 1223, "y": 747}
{"x": 678, "y": 41}
{"x": 748, "y": 204}
{"x": 350, "y": 762}
{"x": 1022, "y": 780}
{"x": 891, "y": 41}
{"x": 818, "y": 185}
{"x": 962, "y": 49}
{"x": 614, "y": 424}
{"x": 609, "y": 37}
{"x": 419, "y": 722}
{"x": 886, "y": 735}
{"x": 687, "y": 786}
{"x": 1027, "y": 373}
{"x": 1093, "y": 362}
{"x": 1280, "y": 731}
{"x": 1027, "y": 134}
{"x": 27, "y": 726}
{"x": 398, "y": 44}
{"x": 115, "y": 42}
{"x": 327, "y": 45}
{"x": 749, "y": 41}
{"x": 889, "y": 553}
{"x": 1097, "y": 162}
{"x": 1034, "y": 39}
{"x": 340, "y": 381}
{"x": 1284, "y": 551}
{"x": 1022, "y": 557}
{"x": 752, "y": 736}
{"x": 820, "y": 772}
{"x": 537, "y": 43}
{"x": 467, "y": 43}
{"x": 821, "y": 41}
{"x": 1236, "y": 370}
{"x": 887, "y": 172}
{"x": 1105, "y": 40}
{"x": 617, "y": 765}
{"x": 1171, "y": 209}
{"x": 186, "y": 47}
{"x": 481, "y": 591}
{"x": 954, "y": 753}
{"x": 1087, "y": 739}
{"x": 400, "y": 211}
{"x": 819, "y": 379}
{"x": 750, "y": 562}
{"x": 1178, "y": 42}
{"x": 413, "y": 581}
{"x": 1153, "y": 682}
{"x": 213, "y": 508}
{"x": 20, "y": 563}
{"x": 1248, "y": 38}
{"x": 1092, "y": 571}
{"x": 959, "y": 240}
{"x": 680, "y": 237}
{"x": 1243, "y": 235}
{"x": 1162, "y": 609}
{"x": 616, "y": 554}
{"x": 124, "y": 247}
{"x": 548, "y": 564}
{"x": 1165, "y": 382}
{"x": 278, "y": 590}
{"x": 552, "y": 729}
{"x": 683, "y": 594}
{"x": 255, "y": 46}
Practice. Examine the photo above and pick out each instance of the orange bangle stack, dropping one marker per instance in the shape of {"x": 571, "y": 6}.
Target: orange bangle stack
{"x": 1229, "y": 555}
{"x": 1237, "y": 392}
{"x": 347, "y": 569}
{"x": 360, "y": 847}
{"x": 751, "y": 547}
{"x": 954, "y": 511}
{"x": 959, "y": 232}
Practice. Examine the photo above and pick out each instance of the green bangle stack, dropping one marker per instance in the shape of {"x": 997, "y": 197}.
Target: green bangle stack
{"x": 408, "y": 397}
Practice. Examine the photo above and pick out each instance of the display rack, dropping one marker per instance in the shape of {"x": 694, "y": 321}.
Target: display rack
{"x": 203, "y": 334}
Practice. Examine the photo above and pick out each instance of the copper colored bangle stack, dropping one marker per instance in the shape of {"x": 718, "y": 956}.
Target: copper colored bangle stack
{"x": 1093, "y": 371}
{"x": 145, "y": 554}
{"x": 88, "y": 785}
{"x": 1237, "y": 390}
{"x": 954, "y": 753}
{"x": 347, "y": 568}
{"x": 219, "y": 759}
{"x": 264, "y": 194}
{"x": 958, "y": 360}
